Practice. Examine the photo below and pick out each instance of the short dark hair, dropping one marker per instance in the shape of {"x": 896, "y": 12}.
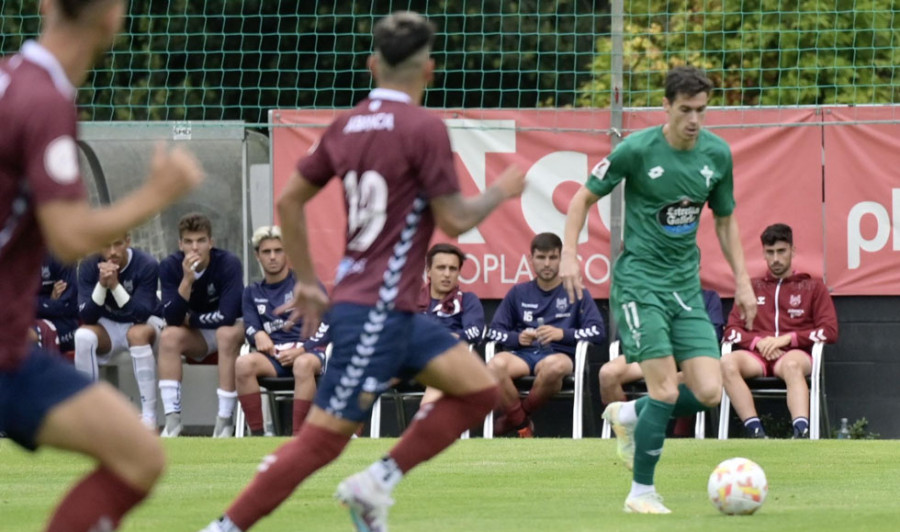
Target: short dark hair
{"x": 401, "y": 34}
{"x": 449, "y": 249}
{"x": 777, "y": 233}
{"x": 687, "y": 80}
{"x": 194, "y": 223}
{"x": 73, "y": 9}
{"x": 545, "y": 242}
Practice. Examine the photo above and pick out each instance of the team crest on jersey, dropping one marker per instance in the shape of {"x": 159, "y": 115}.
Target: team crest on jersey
{"x": 562, "y": 303}
{"x": 288, "y": 297}
{"x": 45, "y": 272}
{"x": 707, "y": 173}
{"x": 129, "y": 286}
{"x": 261, "y": 309}
{"x": 656, "y": 172}
{"x": 795, "y": 300}
{"x": 210, "y": 290}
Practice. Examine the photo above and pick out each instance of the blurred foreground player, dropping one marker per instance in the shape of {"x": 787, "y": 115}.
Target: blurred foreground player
{"x": 43, "y": 399}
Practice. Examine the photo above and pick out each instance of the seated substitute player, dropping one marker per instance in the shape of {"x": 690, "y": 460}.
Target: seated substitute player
{"x": 57, "y": 309}
{"x": 540, "y": 327}
{"x": 618, "y": 372}
{"x": 441, "y": 299}
{"x": 120, "y": 311}
{"x": 396, "y": 164}
{"x": 201, "y": 292}
{"x": 278, "y": 351}
{"x": 794, "y": 311}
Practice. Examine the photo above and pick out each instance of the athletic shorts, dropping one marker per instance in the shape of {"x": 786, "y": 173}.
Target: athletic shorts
{"x": 768, "y": 366}
{"x": 118, "y": 335}
{"x": 656, "y": 324}
{"x": 29, "y": 392}
{"x": 212, "y": 344}
{"x": 533, "y": 355}
{"x": 369, "y": 348}
{"x": 285, "y": 371}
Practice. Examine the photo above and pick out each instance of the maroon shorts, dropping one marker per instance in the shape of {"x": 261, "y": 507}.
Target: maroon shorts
{"x": 768, "y": 366}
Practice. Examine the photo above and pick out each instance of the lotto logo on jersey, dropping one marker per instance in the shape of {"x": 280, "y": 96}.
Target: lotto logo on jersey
{"x": 681, "y": 217}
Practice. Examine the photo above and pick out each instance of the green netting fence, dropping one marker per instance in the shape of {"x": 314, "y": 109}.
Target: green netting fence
{"x": 235, "y": 60}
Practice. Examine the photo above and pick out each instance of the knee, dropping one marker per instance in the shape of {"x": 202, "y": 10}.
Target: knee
{"x": 305, "y": 367}
{"x": 730, "y": 368}
{"x": 244, "y": 368}
{"x": 140, "y": 335}
{"x": 229, "y": 339}
{"x": 170, "y": 342}
{"x": 499, "y": 367}
{"x": 556, "y": 369}
{"x": 609, "y": 375}
{"x": 792, "y": 369}
{"x": 85, "y": 340}
{"x": 710, "y": 396}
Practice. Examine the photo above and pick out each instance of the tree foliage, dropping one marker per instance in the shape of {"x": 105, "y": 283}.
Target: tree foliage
{"x": 759, "y": 52}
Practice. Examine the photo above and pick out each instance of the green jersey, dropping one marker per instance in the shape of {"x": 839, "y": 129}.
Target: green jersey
{"x": 665, "y": 189}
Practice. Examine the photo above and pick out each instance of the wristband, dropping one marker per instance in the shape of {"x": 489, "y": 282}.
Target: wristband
{"x": 121, "y": 295}
{"x": 98, "y": 296}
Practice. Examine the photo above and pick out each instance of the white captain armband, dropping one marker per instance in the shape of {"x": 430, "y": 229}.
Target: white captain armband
{"x": 121, "y": 295}
{"x": 98, "y": 296}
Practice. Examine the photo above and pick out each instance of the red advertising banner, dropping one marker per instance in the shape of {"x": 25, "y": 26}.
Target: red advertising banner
{"x": 778, "y": 178}
{"x": 862, "y": 207}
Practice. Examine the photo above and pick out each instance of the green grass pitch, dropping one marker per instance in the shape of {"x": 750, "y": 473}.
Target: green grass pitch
{"x": 497, "y": 485}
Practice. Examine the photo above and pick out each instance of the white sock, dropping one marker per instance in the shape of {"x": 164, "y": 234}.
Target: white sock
{"x": 227, "y": 401}
{"x": 386, "y": 473}
{"x": 86, "y": 353}
{"x": 145, "y": 373}
{"x": 170, "y": 391}
{"x": 627, "y": 414}
{"x": 640, "y": 489}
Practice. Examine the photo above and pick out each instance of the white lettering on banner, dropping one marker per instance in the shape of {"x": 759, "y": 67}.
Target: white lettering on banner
{"x": 471, "y": 140}
{"x": 543, "y": 177}
{"x": 855, "y": 240}
{"x": 489, "y": 267}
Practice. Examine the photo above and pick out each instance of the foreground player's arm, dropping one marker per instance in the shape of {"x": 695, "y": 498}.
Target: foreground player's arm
{"x": 310, "y": 300}
{"x": 73, "y": 229}
{"x": 730, "y": 241}
{"x": 569, "y": 267}
{"x": 455, "y": 215}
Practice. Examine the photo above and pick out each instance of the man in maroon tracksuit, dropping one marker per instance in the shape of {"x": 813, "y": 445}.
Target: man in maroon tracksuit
{"x": 794, "y": 311}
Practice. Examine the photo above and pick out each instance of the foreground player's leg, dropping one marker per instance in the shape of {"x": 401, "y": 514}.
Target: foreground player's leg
{"x": 320, "y": 441}
{"x": 470, "y": 392}
{"x": 98, "y": 422}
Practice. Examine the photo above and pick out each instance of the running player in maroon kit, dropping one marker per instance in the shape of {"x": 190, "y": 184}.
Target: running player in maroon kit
{"x": 397, "y": 169}
{"x": 43, "y": 399}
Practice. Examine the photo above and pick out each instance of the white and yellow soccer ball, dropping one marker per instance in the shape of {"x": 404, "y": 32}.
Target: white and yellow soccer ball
{"x": 738, "y": 486}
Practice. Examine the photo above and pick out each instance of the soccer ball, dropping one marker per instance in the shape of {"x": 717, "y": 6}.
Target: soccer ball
{"x": 738, "y": 486}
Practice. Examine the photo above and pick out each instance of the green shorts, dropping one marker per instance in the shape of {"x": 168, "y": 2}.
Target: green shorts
{"x": 655, "y": 324}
